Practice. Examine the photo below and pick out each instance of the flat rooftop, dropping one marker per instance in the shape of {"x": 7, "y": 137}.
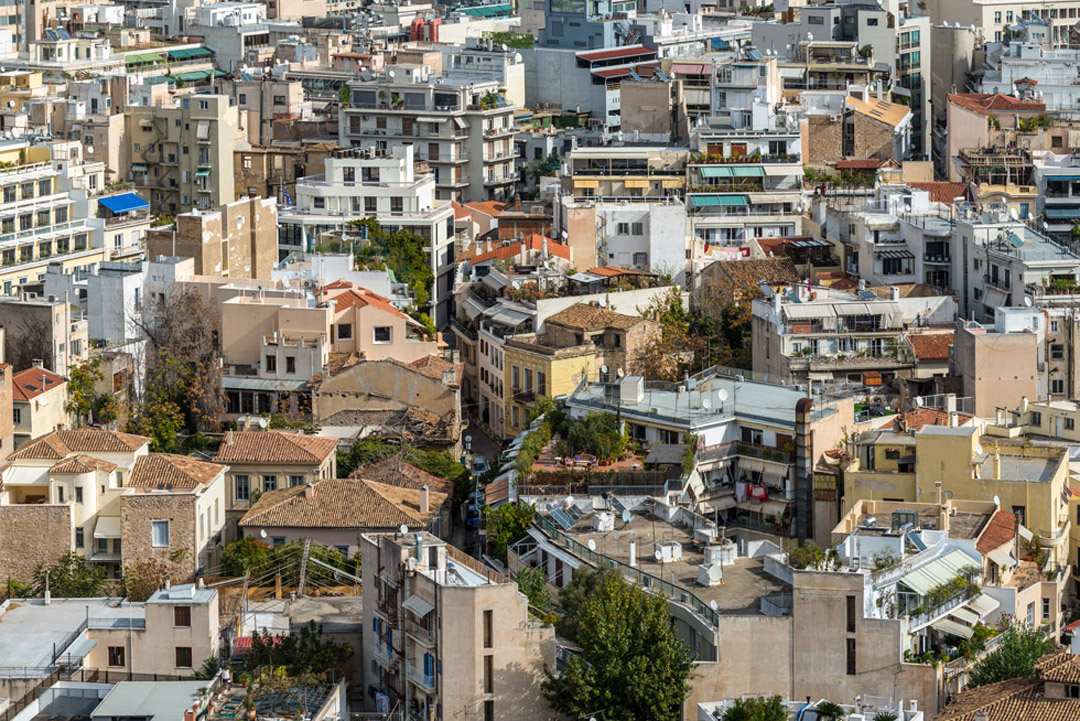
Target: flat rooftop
{"x": 961, "y": 525}
{"x": 29, "y": 628}
{"x": 1018, "y": 468}
{"x": 745, "y": 582}
{"x": 150, "y": 700}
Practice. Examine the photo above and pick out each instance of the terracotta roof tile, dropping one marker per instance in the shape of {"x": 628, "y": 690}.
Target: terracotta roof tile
{"x": 394, "y": 472}
{"x": 858, "y": 164}
{"x": 274, "y": 447}
{"x": 82, "y": 464}
{"x": 984, "y": 103}
{"x": 488, "y": 207}
{"x": 434, "y": 366}
{"x": 357, "y": 297}
{"x": 584, "y": 316}
{"x": 610, "y": 271}
{"x": 32, "y": 382}
{"x": 917, "y": 418}
{"x": 1000, "y": 529}
{"x": 61, "y": 444}
{"x": 165, "y": 471}
{"x": 460, "y": 211}
{"x": 748, "y": 272}
{"x": 532, "y": 243}
{"x": 932, "y": 346}
{"x": 1062, "y": 666}
{"x": 942, "y": 192}
{"x": 343, "y": 503}
{"x": 1021, "y": 699}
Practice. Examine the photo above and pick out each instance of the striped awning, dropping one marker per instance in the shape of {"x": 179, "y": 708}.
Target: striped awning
{"x": 898, "y": 254}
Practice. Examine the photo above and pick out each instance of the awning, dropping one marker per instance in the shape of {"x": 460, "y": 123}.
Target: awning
{"x": 783, "y": 169}
{"x": 964, "y": 615}
{"x": 715, "y": 172}
{"x": 431, "y": 119}
{"x": 751, "y": 172}
{"x": 1024, "y": 532}
{"x": 107, "y": 527}
{"x": 758, "y": 198}
{"x": 983, "y": 605}
{"x": 1062, "y": 213}
{"x": 124, "y": 203}
{"x": 703, "y": 201}
{"x": 1063, "y": 178}
{"x": 143, "y": 58}
{"x": 417, "y": 606}
{"x": 202, "y": 173}
{"x": 954, "y": 628}
{"x": 718, "y": 504}
{"x": 937, "y": 572}
{"x": 636, "y": 183}
{"x": 750, "y": 465}
{"x": 580, "y": 183}
{"x": 798, "y": 311}
{"x": 461, "y": 122}
{"x": 895, "y": 254}
{"x": 77, "y": 651}
{"x": 773, "y": 508}
{"x": 730, "y": 200}
{"x": 138, "y": 166}
{"x": 189, "y": 53}
{"x": 1002, "y": 557}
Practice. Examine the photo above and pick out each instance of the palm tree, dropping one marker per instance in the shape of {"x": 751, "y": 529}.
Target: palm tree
{"x": 830, "y": 710}
{"x": 884, "y": 716}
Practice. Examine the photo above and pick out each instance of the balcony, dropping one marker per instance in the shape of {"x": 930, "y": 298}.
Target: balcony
{"x": 499, "y": 155}
{"x": 418, "y": 632}
{"x": 502, "y": 179}
{"x": 939, "y": 259}
{"x": 385, "y": 655}
{"x": 1057, "y": 537}
{"x": 425, "y": 681}
{"x": 499, "y": 132}
{"x": 920, "y": 620}
{"x": 135, "y": 216}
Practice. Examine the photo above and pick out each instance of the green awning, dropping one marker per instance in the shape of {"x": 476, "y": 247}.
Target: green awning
{"x": 1062, "y": 213}
{"x": 138, "y": 166}
{"x": 701, "y": 201}
{"x": 189, "y": 53}
{"x": 143, "y": 58}
{"x": 202, "y": 173}
{"x": 156, "y": 80}
{"x": 729, "y": 200}
{"x": 715, "y": 172}
{"x": 747, "y": 172}
{"x": 940, "y": 570}
{"x": 195, "y": 76}
{"x": 217, "y": 73}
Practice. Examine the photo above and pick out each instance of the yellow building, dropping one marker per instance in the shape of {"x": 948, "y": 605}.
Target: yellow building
{"x": 1006, "y": 197}
{"x": 534, "y": 370}
{"x": 940, "y": 462}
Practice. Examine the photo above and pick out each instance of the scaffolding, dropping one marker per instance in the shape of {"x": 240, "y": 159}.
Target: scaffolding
{"x": 997, "y": 165}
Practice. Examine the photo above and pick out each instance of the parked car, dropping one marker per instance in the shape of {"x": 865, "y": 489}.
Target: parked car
{"x": 472, "y": 516}
{"x": 479, "y": 465}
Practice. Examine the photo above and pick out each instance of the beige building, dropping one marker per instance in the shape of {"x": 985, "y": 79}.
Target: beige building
{"x": 39, "y": 397}
{"x": 264, "y": 461}
{"x": 336, "y": 511}
{"x": 265, "y": 102}
{"x": 998, "y": 368}
{"x": 448, "y": 632}
{"x": 295, "y": 9}
{"x": 48, "y": 330}
{"x": 180, "y": 157}
{"x": 272, "y": 172}
{"x": 237, "y": 239}
{"x": 366, "y": 324}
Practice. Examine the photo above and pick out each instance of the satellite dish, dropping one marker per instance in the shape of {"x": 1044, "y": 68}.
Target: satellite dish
{"x": 722, "y": 395}
{"x": 262, "y": 533}
{"x": 517, "y": 57}
{"x": 625, "y": 516}
{"x": 592, "y": 545}
{"x": 404, "y": 528}
{"x": 620, "y": 373}
{"x": 706, "y": 403}
{"x": 1013, "y": 214}
{"x": 390, "y": 74}
{"x": 1027, "y": 301}
{"x": 997, "y": 501}
{"x": 468, "y": 439}
{"x": 918, "y": 401}
{"x": 569, "y": 500}
{"x": 603, "y": 369}
{"x": 658, "y": 555}
{"x": 978, "y": 449}
{"x": 714, "y": 605}
{"x": 810, "y": 37}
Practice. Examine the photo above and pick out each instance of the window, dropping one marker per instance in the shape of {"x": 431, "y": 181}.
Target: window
{"x": 871, "y": 22}
{"x": 1046, "y": 609}
{"x": 183, "y": 656}
{"x": 489, "y": 618}
{"x": 277, "y": 541}
{"x": 851, "y": 657}
{"x": 641, "y": 259}
{"x": 1053, "y": 326}
{"x": 382, "y": 334}
{"x": 515, "y": 377}
{"x": 997, "y": 18}
{"x": 344, "y": 331}
{"x": 1031, "y": 615}
{"x": 1056, "y": 141}
{"x": 1057, "y": 385}
{"x": 1036, "y": 418}
{"x": 1070, "y": 424}
{"x": 182, "y": 616}
{"x": 1057, "y": 351}
{"x": 541, "y": 383}
{"x": 80, "y": 539}
{"x": 279, "y": 100}
{"x": 78, "y": 494}
{"x": 622, "y": 229}
{"x": 489, "y": 674}
{"x": 269, "y": 483}
{"x": 243, "y": 101}
{"x": 396, "y": 205}
{"x": 851, "y": 614}
{"x": 203, "y": 105}
{"x": 290, "y": 364}
{"x": 243, "y": 488}
{"x": 16, "y": 413}
{"x": 371, "y": 205}
{"x": 271, "y": 364}
{"x": 295, "y": 481}
{"x": 1072, "y": 691}
{"x": 489, "y": 711}
{"x": 320, "y": 202}
{"x": 1021, "y": 514}
{"x": 116, "y": 655}
{"x": 60, "y": 494}
{"x": 816, "y": 20}
{"x": 159, "y": 534}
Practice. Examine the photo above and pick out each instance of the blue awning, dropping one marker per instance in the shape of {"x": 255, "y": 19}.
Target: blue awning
{"x": 124, "y": 203}
{"x": 1064, "y": 178}
{"x": 1062, "y": 213}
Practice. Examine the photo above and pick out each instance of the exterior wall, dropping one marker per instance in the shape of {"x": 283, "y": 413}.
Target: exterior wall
{"x": 379, "y": 385}
{"x": 49, "y": 525}
{"x": 245, "y": 321}
{"x": 282, "y": 472}
{"x": 7, "y": 422}
{"x": 646, "y": 108}
{"x": 42, "y": 414}
{"x": 822, "y": 140}
{"x": 136, "y": 514}
{"x": 873, "y": 139}
{"x": 967, "y": 129}
{"x": 998, "y": 369}
{"x": 404, "y": 346}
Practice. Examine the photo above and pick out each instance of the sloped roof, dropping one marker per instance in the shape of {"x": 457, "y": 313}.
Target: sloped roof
{"x": 932, "y": 346}
{"x": 917, "y": 418}
{"x": 61, "y": 444}
{"x": 1021, "y": 699}
{"x": 487, "y": 207}
{"x": 942, "y": 192}
{"x": 746, "y": 273}
{"x": 82, "y": 464}
{"x": 273, "y": 447}
{"x": 858, "y": 164}
{"x": 1062, "y": 666}
{"x": 434, "y": 366}
{"x": 985, "y": 103}
{"x": 882, "y": 110}
{"x": 32, "y": 382}
{"x": 395, "y": 472}
{"x": 533, "y": 242}
{"x": 343, "y": 503}
{"x": 585, "y": 316}
{"x": 165, "y": 471}
{"x": 357, "y": 297}
{"x": 1000, "y": 529}
{"x": 610, "y": 271}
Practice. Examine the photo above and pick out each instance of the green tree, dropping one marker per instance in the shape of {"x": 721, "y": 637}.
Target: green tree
{"x": 757, "y": 708}
{"x": 71, "y": 576}
{"x": 1015, "y": 656}
{"x": 532, "y": 583}
{"x": 830, "y": 710}
{"x": 598, "y": 433}
{"x": 209, "y": 669}
{"x": 306, "y": 652}
{"x": 82, "y": 398}
{"x": 143, "y": 578}
{"x": 343, "y": 96}
{"x": 160, "y": 419}
{"x": 243, "y": 555}
{"x": 631, "y": 664}
{"x": 506, "y": 525}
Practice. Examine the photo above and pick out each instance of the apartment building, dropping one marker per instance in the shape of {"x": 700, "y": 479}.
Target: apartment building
{"x": 971, "y": 129}
{"x": 577, "y": 343}
{"x": 448, "y": 632}
{"x": 38, "y": 400}
{"x": 368, "y": 325}
{"x": 387, "y": 185}
{"x": 263, "y": 461}
{"x": 236, "y": 240}
{"x": 50, "y": 330}
{"x": 264, "y": 102}
{"x": 180, "y": 156}
{"x": 464, "y": 130}
{"x": 1002, "y": 363}
{"x": 995, "y": 16}
{"x": 103, "y": 496}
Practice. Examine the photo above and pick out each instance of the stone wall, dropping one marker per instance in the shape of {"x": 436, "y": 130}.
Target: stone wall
{"x": 138, "y": 511}
{"x": 824, "y": 140}
{"x": 30, "y": 535}
{"x": 873, "y": 138}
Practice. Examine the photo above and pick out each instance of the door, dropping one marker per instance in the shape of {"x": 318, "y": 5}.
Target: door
{"x": 738, "y": 150}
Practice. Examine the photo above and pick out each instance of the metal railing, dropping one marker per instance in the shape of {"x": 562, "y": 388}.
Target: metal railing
{"x": 426, "y": 681}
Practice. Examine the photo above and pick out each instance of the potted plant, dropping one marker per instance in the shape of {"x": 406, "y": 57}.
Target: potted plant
{"x": 830, "y": 710}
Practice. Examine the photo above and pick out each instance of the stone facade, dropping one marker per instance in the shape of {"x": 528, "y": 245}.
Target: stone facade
{"x": 138, "y": 511}
{"x": 823, "y": 140}
{"x": 32, "y": 534}
{"x": 873, "y": 138}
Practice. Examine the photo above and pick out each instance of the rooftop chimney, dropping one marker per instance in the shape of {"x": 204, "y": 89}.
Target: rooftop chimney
{"x": 168, "y": 582}
{"x": 997, "y": 465}
{"x": 309, "y": 490}
{"x": 950, "y": 402}
{"x": 424, "y": 500}
{"x": 894, "y": 293}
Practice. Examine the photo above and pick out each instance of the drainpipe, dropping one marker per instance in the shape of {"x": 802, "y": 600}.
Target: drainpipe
{"x": 804, "y": 476}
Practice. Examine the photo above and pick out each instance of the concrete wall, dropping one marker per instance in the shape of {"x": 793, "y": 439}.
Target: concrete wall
{"x": 873, "y": 138}
{"x": 998, "y": 369}
{"x": 48, "y": 525}
{"x": 378, "y": 385}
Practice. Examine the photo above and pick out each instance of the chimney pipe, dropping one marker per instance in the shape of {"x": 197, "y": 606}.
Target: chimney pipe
{"x": 309, "y": 490}
{"x": 894, "y": 293}
{"x": 950, "y": 402}
{"x": 633, "y": 555}
{"x": 168, "y": 582}
{"x": 424, "y": 500}
{"x": 419, "y": 548}
{"x": 997, "y": 465}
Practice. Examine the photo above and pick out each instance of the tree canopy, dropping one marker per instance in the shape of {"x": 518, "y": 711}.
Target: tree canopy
{"x": 757, "y": 708}
{"x": 598, "y": 433}
{"x": 506, "y": 525}
{"x": 306, "y": 652}
{"x": 71, "y": 576}
{"x": 631, "y": 665}
{"x": 1015, "y": 656}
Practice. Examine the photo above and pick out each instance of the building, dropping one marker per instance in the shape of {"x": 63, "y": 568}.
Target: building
{"x": 856, "y": 128}
{"x": 39, "y": 397}
{"x": 458, "y": 635}
{"x": 1050, "y": 695}
{"x": 265, "y": 103}
{"x": 180, "y": 156}
{"x": 995, "y": 17}
{"x": 464, "y": 130}
{"x": 1004, "y": 363}
{"x": 236, "y": 240}
{"x": 725, "y": 282}
{"x": 337, "y": 511}
{"x": 263, "y": 461}
{"x": 968, "y": 117}
{"x": 368, "y": 325}
{"x": 50, "y": 330}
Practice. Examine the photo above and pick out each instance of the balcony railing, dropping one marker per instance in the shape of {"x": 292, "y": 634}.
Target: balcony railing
{"x": 385, "y": 654}
{"x": 425, "y": 681}
{"x": 926, "y": 617}
{"x": 135, "y": 216}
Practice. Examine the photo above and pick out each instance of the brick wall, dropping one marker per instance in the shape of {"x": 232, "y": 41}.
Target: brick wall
{"x": 873, "y": 138}
{"x": 825, "y": 141}
{"x": 138, "y": 511}
{"x": 30, "y": 535}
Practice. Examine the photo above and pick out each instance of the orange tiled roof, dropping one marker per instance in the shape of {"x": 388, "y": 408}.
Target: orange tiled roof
{"x": 858, "y": 164}
{"x": 1000, "y": 529}
{"x": 460, "y": 211}
{"x": 274, "y": 447}
{"x": 985, "y": 103}
{"x": 932, "y": 346}
{"x": 532, "y": 242}
{"x": 82, "y": 464}
{"x": 433, "y": 366}
{"x": 343, "y": 503}
{"x": 746, "y": 273}
{"x": 942, "y": 192}
{"x": 58, "y": 445}
{"x": 585, "y": 316}
{"x": 488, "y": 207}
{"x": 610, "y": 271}
{"x": 165, "y": 471}
{"x": 357, "y": 297}
{"x": 1021, "y": 699}
{"x": 917, "y": 418}
{"x": 880, "y": 110}
{"x": 32, "y": 382}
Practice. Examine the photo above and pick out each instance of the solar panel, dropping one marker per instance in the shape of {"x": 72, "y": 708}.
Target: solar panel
{"x": 657, "y": 73}
{"x": 575, "y": 513}
{"x": 63, "y": 34}
{"x": 562, "y": 519}
{"x": 51, "y": 34}
{"x": 1015, "y": 240}
{"x": 616, "y": 504}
